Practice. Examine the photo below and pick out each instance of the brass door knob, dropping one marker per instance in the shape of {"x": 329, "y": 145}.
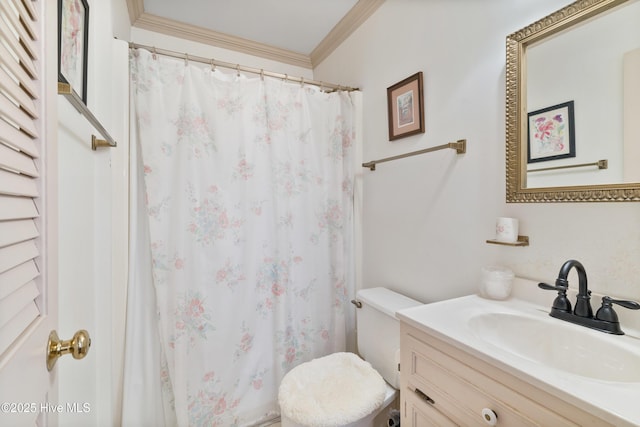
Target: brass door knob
{"x": 78, "y": 346}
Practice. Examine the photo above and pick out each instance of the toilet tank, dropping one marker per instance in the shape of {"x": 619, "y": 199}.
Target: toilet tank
{"x": 378, "y": 330}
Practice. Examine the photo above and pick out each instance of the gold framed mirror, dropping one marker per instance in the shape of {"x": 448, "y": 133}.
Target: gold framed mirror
{"x": 586, "y": 56}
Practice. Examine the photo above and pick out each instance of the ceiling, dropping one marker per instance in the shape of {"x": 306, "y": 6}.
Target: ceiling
{"x": 299, "y": 32}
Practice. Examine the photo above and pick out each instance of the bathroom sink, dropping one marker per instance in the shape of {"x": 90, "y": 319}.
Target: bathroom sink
{"x": 596, "y": 371}
{"x": 568, "y": 348}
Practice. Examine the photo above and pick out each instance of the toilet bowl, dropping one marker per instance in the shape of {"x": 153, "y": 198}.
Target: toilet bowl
{"x": 344, "y": 389}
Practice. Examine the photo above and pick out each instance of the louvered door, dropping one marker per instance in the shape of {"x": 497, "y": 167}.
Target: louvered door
{"x": 27, "y": 209}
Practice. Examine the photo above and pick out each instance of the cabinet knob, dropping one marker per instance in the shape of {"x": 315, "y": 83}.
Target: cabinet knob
{"x": 490, "y": 417}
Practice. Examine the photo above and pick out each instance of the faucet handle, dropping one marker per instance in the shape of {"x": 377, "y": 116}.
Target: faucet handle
{"x": 561, "y": 303}
{"x": 631, "y": 305}
{"x": 549, "y": 287}
{"x": 606, "y": 312}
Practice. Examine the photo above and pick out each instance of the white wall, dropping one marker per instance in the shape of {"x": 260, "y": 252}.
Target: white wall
{"x": 426, "y": 218}
{"x": 93, "y": 229}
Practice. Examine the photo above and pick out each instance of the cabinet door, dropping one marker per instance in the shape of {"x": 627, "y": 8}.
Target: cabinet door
{"x": 416, "y": 412}
{"x": 462, "y": 386}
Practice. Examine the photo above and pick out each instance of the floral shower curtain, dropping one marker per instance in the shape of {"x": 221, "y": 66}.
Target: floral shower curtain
{"x": 247, "y": 229}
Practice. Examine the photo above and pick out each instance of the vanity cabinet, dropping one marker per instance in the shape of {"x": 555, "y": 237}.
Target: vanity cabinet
{"x": 442, "y": 385}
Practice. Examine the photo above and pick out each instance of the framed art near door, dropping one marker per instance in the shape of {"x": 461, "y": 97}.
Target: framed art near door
{"x": 73, "y": 45}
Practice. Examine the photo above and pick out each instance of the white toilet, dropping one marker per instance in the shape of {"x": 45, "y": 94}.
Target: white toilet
{"x": 341, "y": 389}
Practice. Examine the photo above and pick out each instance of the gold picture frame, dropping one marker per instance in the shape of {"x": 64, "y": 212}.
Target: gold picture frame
{"x": 517, "y": 44}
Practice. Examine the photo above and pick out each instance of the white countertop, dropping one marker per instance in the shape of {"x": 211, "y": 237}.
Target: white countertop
{"x": 616, "y": 402}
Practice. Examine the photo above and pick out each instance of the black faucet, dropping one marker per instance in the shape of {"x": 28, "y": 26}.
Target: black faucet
{"x": 605, "y": 320}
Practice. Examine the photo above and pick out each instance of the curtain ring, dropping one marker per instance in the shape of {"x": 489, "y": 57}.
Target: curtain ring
{"x": 213, "y": 65}
{"x": 155, "y": 53}
{"x": 237, "y": 70}
{"x": 301, "y": 81}
{"x": 186, "y": 59}
{"x": 286, "y": 77}
{"x": 261, "y": 74}
{"x": 321, "y": 87}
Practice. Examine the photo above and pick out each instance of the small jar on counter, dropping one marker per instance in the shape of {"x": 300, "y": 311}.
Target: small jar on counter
{"x": 496, "y": 282}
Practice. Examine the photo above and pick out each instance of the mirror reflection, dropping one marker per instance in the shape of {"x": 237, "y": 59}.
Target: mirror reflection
{"x": 572, "y": 100}
{"x": 593, "y": 67}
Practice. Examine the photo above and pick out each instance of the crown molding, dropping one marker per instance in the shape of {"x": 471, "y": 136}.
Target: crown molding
{"x": 343, "y": 29}
{"x": 202, "y": 35}
{"x": 358, "y": 14}
{"x": 136, "y": 8}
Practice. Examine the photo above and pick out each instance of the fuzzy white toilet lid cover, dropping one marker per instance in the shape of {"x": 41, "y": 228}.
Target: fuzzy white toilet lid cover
{"x": 331, "y": 391}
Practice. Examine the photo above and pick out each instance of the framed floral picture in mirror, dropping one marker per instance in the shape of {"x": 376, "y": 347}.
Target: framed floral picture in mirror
{"x": 551, "y": 133}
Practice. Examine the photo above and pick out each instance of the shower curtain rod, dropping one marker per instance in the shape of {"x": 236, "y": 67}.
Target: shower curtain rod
{"x": 215, "y": 63}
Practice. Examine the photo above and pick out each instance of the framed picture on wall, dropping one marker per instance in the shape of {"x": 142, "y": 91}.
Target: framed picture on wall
{"x": 551, "y": 133}
{"x": 405, "y": 104}
{"x": 73, "y": 41}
